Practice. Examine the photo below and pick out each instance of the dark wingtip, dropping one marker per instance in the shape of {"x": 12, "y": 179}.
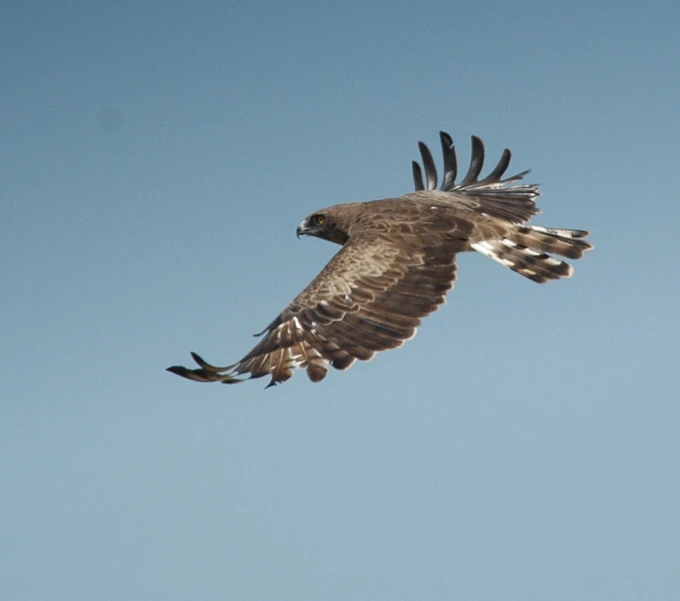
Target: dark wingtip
{"x": 206, "y": 373}
{"x": 189, "y": 374}
{"x": 498, "y": 171}
{"x": 417, "y": 176}
{"x": 428, "y": 165}
{"x": 450, "y": 161}
{"x": 476, "y": 162}
{"x": 207, "y": 366}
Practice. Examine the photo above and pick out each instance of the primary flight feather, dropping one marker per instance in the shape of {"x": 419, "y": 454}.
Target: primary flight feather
{"x": 396, "y": 264}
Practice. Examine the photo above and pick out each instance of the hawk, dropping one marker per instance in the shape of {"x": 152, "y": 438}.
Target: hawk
{"x": 396, "y": 264}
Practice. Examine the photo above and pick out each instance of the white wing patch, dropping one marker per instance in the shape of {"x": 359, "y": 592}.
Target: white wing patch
{"x": 490, "y": 249}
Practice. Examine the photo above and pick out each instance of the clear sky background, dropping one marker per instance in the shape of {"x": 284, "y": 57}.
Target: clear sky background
{"x": 155, "y": 160}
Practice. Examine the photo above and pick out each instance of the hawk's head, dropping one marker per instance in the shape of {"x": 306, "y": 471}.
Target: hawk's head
{"x": 326, "y": 224}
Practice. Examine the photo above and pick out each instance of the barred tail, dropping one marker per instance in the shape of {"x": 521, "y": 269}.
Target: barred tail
{"x": 525, "y": 249}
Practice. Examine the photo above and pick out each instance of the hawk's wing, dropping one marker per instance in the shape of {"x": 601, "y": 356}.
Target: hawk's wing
{"x": 369, "y": 298}
{"x": 490, "y": 195}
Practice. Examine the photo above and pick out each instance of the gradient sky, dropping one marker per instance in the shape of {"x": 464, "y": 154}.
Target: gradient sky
{"x": 155, "y": 159}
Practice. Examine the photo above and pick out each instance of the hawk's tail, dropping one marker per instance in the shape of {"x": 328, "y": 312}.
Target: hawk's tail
{"x": 525, "y": 249}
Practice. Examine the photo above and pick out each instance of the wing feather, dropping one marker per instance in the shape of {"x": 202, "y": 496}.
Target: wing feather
{"x": 491, "y": 195}
{"x": 370, "y": 297}
{"x": 450, "y": 161}
{"x": 476, "y": 163}
{"x": 428, "y": 164}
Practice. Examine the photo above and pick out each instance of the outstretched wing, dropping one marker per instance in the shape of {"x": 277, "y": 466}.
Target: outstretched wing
{"x": 490, "y": 196}
{"x": 370, "y": 297}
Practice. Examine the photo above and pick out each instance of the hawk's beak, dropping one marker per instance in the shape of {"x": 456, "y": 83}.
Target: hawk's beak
{"x": 301, "y": 230}
{"x": 298, "y": 232}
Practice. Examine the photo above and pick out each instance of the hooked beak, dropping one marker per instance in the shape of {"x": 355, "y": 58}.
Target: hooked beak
{"x": 301, "y": 230}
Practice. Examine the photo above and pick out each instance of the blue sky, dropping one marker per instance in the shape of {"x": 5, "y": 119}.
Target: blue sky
{"x": 155, "y": 162}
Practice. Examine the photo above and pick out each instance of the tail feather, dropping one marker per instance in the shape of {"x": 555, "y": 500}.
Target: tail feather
{"x": 525, "y": 250}
{"x": 567, "y": 243}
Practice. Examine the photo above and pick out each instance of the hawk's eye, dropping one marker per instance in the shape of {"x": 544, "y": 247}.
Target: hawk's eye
{"x": 318, "y": 219}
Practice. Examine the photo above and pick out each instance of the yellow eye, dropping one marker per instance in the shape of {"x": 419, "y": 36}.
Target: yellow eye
{"x": 319, "y": 219}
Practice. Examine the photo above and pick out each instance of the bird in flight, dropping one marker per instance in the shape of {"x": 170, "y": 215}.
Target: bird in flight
{"x": 396, "y": 263}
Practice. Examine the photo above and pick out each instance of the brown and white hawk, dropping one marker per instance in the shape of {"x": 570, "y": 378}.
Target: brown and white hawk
{"x": 396, "y": 264}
